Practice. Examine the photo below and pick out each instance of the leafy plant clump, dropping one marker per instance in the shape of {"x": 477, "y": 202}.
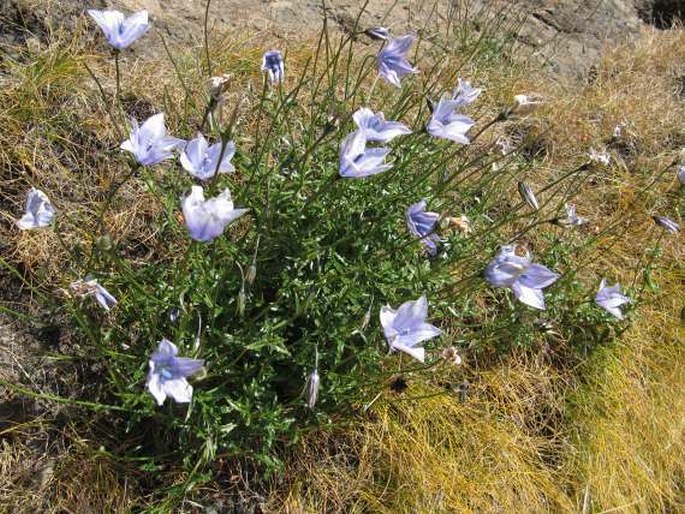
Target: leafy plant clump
{"x": 321, "y": 234}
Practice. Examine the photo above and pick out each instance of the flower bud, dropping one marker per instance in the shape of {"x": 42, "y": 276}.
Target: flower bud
{"x": 378, "y": 33}
{"x": 667, "y": 224}
{"x": 251, "y": 274}
{"x": 241, "y": 302}
{"x": 528, "y": 196}
{"x": 311, "y": 388}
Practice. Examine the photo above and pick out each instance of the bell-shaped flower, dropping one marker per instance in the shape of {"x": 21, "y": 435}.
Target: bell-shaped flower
{"x": 681, "y": 174}
{"x": 446, "y": 123}
{"x": 406, "y": 328}
{"x": 206, "y": 219}
{"x": 571, "y": 219}
{"x": 610, "y": 299}
{"x": 121, "y": 32}
{"x": 464, "y": 93}
{"x": 526, "y": 279}
{"x": 202, "y": 160}
{"x": 273, "y": 65}
{"x": 39, "y": 212}
{"x": 375, "y": 127}
{"x": 667, "y": 224}
{"x": 168, "y": 374}
{"x": 423, "y": 224}
{"x": 150, "y": 143}
{"x": 90, "y": 287}
{"x": 357, "y": 161}
{"x": 392, "y": 62}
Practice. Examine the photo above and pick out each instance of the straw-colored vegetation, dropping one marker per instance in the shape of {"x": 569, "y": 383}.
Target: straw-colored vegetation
{"x": 544, "y": 429}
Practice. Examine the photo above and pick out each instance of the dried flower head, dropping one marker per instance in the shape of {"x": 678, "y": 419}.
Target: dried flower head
{"x": 218, "y": 85}
{"x": 451, "y": 356}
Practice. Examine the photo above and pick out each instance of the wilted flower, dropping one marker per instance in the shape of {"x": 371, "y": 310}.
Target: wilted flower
{"x": 378, "y": 33}
{"x": 524, "y": 105}
{"x": 150, "y": 142}
{"x": 610, "y": 299}
{"x": 375, "y": 127}
{"x": 206, "y": 219}
{"x": 571, "y": 219}
{"x": 311, "y": 388}
{"x": 39, "y": 211}
{"x": 168, "y": 374}
{"x": 217, "y": 86}
{"x": 667, "y": 224}
{"x": 121, "y": 32}
{"x": 422, "y": 224}
{"x": 528, "y": 196}
{"x": 272, "y": 63}
{"x": 451, "y": 356}
{"x": 447, "y": 124}
{"x": 357, "y": 161}
{"x": 526, "y": 279}
{"x": 505, "y": 145}
{"x": 201, "y": 160}
{"x": 681, "y": 174}
{"x": 461, "y": 224}
{"x": 406, "y": 328}
{"x": 392, "y": 62}
{"x": 90, "y": 287}
{"x": 465, "y": 93}
{"x": 600, "y": 157}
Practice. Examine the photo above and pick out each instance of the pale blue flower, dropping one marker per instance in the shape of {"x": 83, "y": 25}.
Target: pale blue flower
{"x": 272, "y": 63}
{"x": 357, "y": 161}
{"x": 39, "y": 212}
{"x": 121, "y": 32}
{"x": 681, "y": 174}
{"x": 168, "y": 373}
{"x": 464, "y": 93}
{"x": 392, "y": 61}
{"x": 201, "y": 160}
{"x": 406, "y": 327}
{"x": 526, "y": 279}
{"x": 446, "y": 123}
{"x": 206, "y": 219}
{"x": 90, "y": 287}
{"x": 150, "y": 143}
{"x": 422, "y": 224}
{"x": 375, "y": 127}
{"x": 610, "y": 299}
